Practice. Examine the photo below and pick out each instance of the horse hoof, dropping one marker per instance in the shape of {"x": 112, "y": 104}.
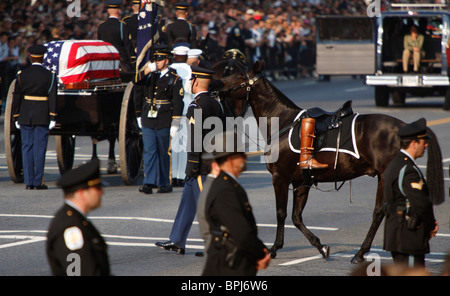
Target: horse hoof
{"x": 357, "y": 259}
{"x": 112, "y": 166}
{"x": 273, "y": 253}
{"x": 325, "y": 251}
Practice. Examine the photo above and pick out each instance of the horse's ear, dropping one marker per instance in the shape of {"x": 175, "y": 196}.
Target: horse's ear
{"x": 258, "y": 66}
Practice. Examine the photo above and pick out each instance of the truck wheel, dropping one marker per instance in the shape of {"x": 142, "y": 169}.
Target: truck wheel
{"x": 398, "y": 97}
{"x": 381, "y": 96}
{"x": 447, "y": 100}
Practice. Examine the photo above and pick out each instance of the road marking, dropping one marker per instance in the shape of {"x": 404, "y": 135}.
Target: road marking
{"x": 157, "y": 220}
{"x": 438, "y": 121}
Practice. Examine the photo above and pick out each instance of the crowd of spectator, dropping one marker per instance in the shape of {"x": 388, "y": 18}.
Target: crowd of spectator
{"x": 280, "y": 32}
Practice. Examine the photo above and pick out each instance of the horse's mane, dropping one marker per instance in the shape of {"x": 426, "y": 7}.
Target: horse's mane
{"x": 282, "y": 98}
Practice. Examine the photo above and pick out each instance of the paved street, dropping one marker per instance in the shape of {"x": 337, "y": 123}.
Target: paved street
{"x": 132, "y": 222}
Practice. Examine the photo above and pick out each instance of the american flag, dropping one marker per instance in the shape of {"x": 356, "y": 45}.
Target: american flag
{"x": 80, "y": 60}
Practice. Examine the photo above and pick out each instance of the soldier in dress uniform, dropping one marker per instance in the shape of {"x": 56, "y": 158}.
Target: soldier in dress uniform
{"x": 410, "y": 222}
{"x": 34, "y": 112}
{"x": 116, "y": 32}
{"x": 201, "y": 108}
{"x": 235, "y": 35}
{"x": 179, "y": 140}
{"x": 74, "y": 246}
{"x": 234, "y": 249}
{"x": 180, "y": 29}
{"x": 132, "y": 23}
{"x": 159, "y": 105}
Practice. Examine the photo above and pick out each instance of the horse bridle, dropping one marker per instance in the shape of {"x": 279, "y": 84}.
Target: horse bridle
{"x": 249, "y": 84}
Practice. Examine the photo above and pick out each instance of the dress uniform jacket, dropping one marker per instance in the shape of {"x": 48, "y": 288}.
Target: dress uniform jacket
{"x": 181, "y": 29}
{"x": 164, "y": 94}
{"x": 132, "y": 24}
{"x": 34, "y": 100}
{"x": 227, "y": 205}
{"x": 70, "y": 232}
{"x": 404, "y": 181}
{"x": 116, "y": 32}
{"x": 209, "y": 107}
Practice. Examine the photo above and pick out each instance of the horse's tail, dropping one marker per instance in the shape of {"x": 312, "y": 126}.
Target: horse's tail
{"x": 435, "y": 173}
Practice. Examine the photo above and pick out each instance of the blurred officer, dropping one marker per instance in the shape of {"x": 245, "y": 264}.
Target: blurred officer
{"x": 180, "y": 29}
{"x": 34, "y": 112}
{"x": 74, "y": 246}
{"x": 235, "y": 249}
{"x": 179, "y": 140}
{"x": 159, "y": 105}
{"x": 132, "y": 23}
{"x": 235, "y": 35}
{"x": 201, "y": 108}
{"x": 116, "y": 32}
{"x": 410, "y": 221}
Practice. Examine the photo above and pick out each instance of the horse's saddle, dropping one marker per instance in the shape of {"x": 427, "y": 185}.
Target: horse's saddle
{"x": 326, "y": 121}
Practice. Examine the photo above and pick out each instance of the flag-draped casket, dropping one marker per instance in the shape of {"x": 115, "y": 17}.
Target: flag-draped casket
{"x": 82, "y": 60}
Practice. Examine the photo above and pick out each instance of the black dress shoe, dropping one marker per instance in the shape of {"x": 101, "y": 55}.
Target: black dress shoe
{"x": 29, "y": 187}
{"x": 165, "y": 189}
{"x": 170, "y": 246}
{"x": 146, "y": 188}
{"x": 41, "y": 187}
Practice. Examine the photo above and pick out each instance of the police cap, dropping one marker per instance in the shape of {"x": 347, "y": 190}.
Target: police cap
{"x": 199, "y": 72}
{"x": 161, "y": 51}
{"x": 84, "y": 176}
{"x": 113, "y": 3}
{"x": 182, "y": 6}
{"x": 414, "y": 130}
{"x": 37, "y": 50}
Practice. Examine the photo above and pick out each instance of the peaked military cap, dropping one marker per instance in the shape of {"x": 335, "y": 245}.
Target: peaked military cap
{"x": 194, "y": 53}
{"x": 199, "y": 72}
{"x": 113, "y": 3}
{"x": 37, "y": 50}
{"x": 182, "y": 5}
{"x": 414, "y": 130}
{"x": 181, "y": 48}
{"x": 84, "y": 176}
{"x": 161, "y": 51}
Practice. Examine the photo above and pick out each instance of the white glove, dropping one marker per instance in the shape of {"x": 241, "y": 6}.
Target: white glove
{"x": 17, "y": 124}
{"x": 52, "y": 125}
{"x": 173, "y": 131}
{"x": 139, "y": 121}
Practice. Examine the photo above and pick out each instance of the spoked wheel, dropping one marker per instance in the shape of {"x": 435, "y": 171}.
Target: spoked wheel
{"x": 13, "y": 141}
{"x": 65, "y": 152}
{"x": 130, "y": 139}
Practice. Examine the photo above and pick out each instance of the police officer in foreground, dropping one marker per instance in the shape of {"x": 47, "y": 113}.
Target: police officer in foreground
{"x": 74, "y": 246}
{"x": 181, "y": 29}
{"x": 34, "y": 112}
{"x": 410, "y": 222}
{"x": 159, "y": 105}
{"x": 203, "y": 107}
{"x": 116, "y": 32}
{"x": 235, "y": 249}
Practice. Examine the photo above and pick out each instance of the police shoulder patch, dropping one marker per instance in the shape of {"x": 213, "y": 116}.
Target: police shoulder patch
{"x": 73, "y": 238}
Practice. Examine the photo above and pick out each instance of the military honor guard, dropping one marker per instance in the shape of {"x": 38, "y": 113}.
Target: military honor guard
{"x": 234, "y": 248}
{"x": 179, "y": 139}
{"x": 159, "y": 106}
{"x": 410, "y": 222}
{"x": 116, "y": 32}
{"x": 74, "y": 246}
{"x": 181, "y": 29}
{"x": 132, "y": 23}
{"x": 201, "y": 108}
{"x": 34, "y": 112}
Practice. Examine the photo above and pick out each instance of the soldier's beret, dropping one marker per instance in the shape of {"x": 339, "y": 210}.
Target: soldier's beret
{"x": 113, "y": 3}
{"x": 182, "y": 5}
{"x": 199, "y": 72}
{"x": 37, "y": 50}
{"x": 84, "y": 176}
{"x": 414, "y": 130}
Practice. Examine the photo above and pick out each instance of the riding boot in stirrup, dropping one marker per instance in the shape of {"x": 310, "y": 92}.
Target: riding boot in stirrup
{"x": 306, "y": 142}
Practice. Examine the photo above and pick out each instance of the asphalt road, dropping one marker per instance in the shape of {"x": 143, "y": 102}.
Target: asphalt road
{"x": 132, "y": 222}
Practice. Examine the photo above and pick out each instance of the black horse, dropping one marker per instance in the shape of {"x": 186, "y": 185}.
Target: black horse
{"x": 233, "y": 62}
{"x": 376, "y": 139}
